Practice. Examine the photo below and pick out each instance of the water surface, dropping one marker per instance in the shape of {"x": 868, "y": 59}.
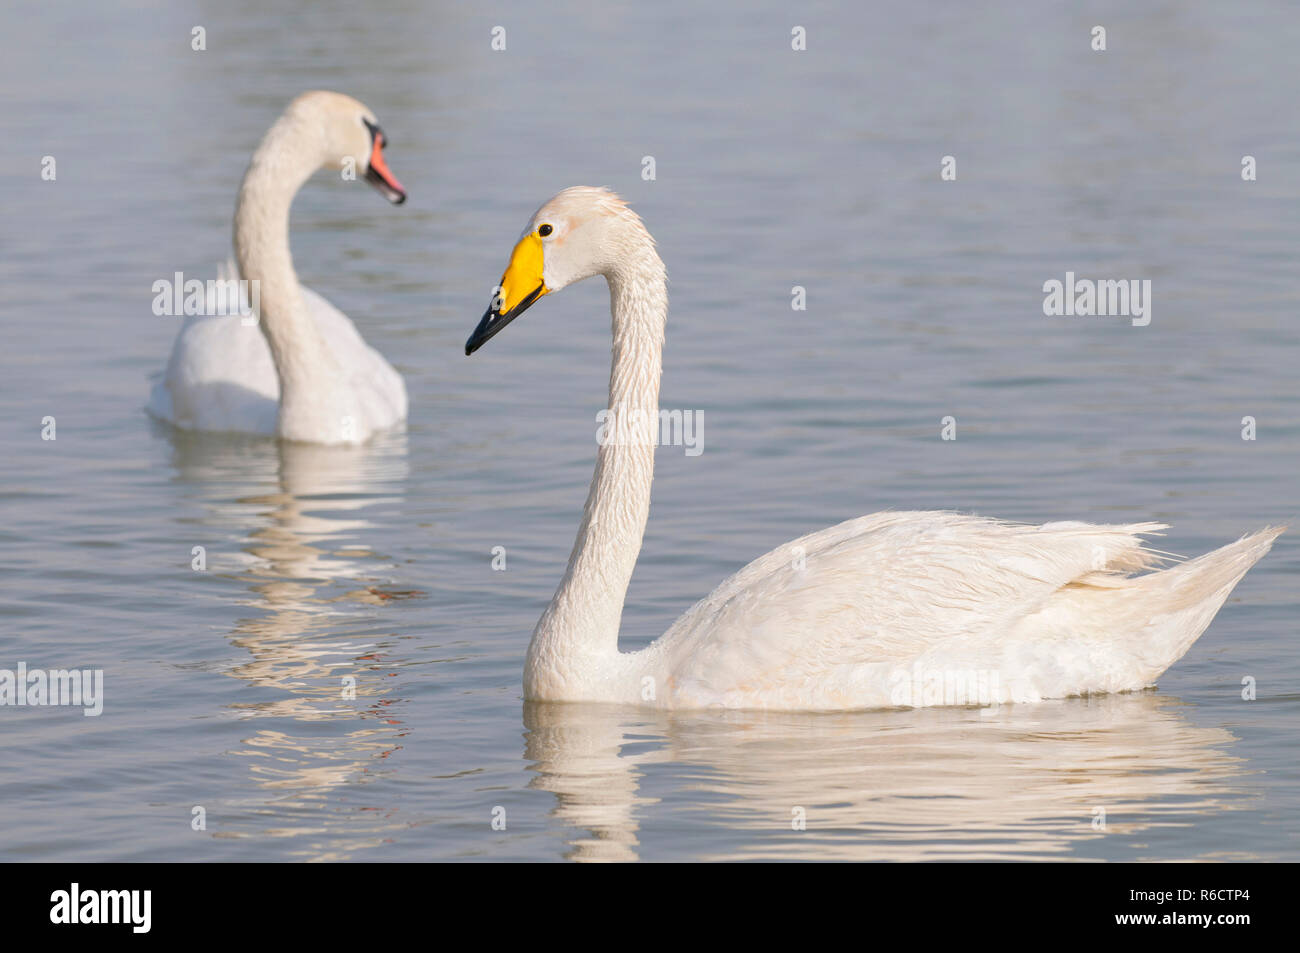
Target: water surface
{"x": 773, "y": 169}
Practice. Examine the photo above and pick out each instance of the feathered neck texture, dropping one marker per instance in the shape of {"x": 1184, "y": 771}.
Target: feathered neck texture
{"x": 579, "y": 629}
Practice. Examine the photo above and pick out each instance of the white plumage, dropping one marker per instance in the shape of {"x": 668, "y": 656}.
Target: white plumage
{"x": 302, "y": 371}
{"x": 940, "y": 608}
{"x": 893, "y": 609}
{"x": 221, "y": 376}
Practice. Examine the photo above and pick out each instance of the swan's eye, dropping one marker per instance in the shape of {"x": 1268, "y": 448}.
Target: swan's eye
{"x": 376, "y": 134}
{"x": 544, "y": 230}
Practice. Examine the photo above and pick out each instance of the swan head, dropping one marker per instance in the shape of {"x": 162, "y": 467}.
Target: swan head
{"x": 348, "y": 134}
{"x": 579, "y": 233}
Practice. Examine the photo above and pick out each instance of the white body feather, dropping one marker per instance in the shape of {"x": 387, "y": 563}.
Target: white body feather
{"x": 893, "y": 609}
{"x": 917, "y": 609}
{"x": 301, "y": 371}
{"x": 221, "y": 376}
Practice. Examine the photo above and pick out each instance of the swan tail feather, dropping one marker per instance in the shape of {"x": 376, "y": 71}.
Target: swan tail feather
{"x": 1185, "y": 598}
{"x": 1117, "y": 553}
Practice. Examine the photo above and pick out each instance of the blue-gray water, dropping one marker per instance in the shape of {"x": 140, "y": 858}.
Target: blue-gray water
{"x": 774, "y": 168}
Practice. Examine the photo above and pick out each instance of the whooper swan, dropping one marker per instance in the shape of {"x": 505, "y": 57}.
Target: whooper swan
{"x": 891, "y": 609}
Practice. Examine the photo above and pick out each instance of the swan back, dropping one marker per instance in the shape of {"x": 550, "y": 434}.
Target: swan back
{"x": 860, "y": 615}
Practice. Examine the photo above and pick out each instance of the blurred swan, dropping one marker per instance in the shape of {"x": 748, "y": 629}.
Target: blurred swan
{"x": 893, "y": 609}
{"x": 308, "y": 376}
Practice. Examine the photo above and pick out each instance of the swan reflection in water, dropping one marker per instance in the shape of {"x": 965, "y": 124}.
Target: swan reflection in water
{"x": 311, "y": 577}
{"x": 1020, "y": 781}
{"x": 627, "y": 784}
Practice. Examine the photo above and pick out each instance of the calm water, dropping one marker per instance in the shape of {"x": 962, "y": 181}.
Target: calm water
{"x": 774, "y": 169}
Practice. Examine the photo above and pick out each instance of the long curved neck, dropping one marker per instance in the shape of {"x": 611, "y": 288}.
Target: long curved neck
{"x": 579, "y": 630}
{"x": 286, "y": 158}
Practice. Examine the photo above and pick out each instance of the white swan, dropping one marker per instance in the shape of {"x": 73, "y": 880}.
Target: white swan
{"x": 307, "y": 375}
{"x": 891, "y": 609}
